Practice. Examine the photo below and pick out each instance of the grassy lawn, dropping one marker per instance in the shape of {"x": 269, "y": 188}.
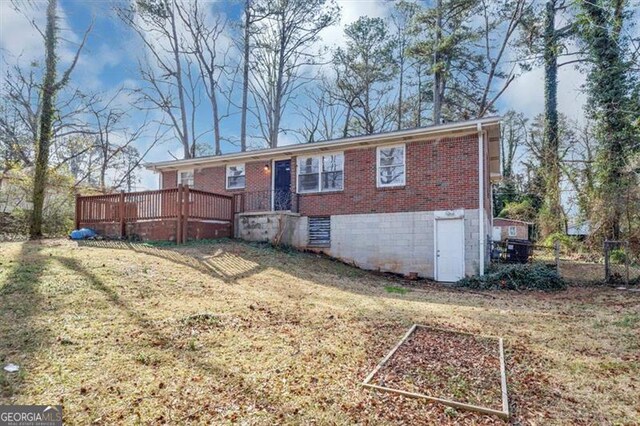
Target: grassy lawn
{"x": 229, "y": 332}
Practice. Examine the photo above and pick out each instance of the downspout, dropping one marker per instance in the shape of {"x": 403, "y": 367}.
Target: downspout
{"x": 481, "y": 198}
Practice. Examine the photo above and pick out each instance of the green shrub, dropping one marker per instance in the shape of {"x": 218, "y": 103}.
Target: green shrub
{"x": 618, "y": 256}
{"x": 567, "y": 242}
{"x": 519, "y": 210}
{"x": 516, "y": 277}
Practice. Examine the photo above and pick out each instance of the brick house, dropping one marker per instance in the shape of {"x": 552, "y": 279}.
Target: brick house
{"x": 510, "y": 229}
{"x": 411, "y": 201}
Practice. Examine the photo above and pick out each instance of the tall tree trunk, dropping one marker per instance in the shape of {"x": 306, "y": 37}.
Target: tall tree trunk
{"x": 419, "y": 106}
{"x": 400, "y": 84}
{"x": 345, "y": 129}
{"x": 552, "y": 220}
{"x": 46, "y": 123}
{"x": 277, "y": 107}
{"x": 189, "y": 151}
{"x": 437, "y": 73}
{"x": 216, "y": 117}
{"x": 245, "y": 75}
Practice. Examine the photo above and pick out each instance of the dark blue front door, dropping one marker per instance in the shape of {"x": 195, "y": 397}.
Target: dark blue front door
{"x": 282, "y": 185}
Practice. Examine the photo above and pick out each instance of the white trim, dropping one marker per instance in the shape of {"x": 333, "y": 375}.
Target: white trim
{"x": 179, "y": 176}
{"x": 320, "y": 158}
{"x": 160, "y": 180}
{"x": 481, "y": 212}
{"x": 449, "y": 214}
{"x": 445, "y": 215}
{"x": 226, "y": 176}
{"x": 404, "y": 165}
{"x": 358, "y": 141}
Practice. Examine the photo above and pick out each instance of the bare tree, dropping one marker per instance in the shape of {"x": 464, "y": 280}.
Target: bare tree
{"x": 20, "y": 113}
{"x": 205, "y": 44}
{"x": 578, "y": 167}
{"x": 502, "y": 20}
{"x": 114, "y": 141}
{"x": 321, "y": 116}
{"x": 283, "y": 48}
{"x": 255, "y": 11}
{"x": 156, "y": 23}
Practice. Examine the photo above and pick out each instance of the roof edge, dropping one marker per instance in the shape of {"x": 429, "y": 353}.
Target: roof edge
{"x": 470, "y": 125}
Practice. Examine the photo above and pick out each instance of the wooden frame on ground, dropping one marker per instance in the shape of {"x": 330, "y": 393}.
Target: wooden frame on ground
{"x": 504, "y": 413}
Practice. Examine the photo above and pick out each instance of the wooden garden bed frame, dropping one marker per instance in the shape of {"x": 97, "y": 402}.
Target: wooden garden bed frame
{"x": 504, "y": 413}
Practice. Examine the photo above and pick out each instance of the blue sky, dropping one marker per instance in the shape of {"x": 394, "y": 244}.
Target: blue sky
{"x": 110, "y": 60}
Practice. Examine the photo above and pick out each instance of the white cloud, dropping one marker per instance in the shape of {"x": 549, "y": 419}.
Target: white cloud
{"x": 17, "y": 38}
{"x": 526, "y": 93}
{"x": 285, "y": 139}
{"x": 351, "y": 10}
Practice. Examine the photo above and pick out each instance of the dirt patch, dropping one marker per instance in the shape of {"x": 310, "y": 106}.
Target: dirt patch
{"x": 449, "y": 365}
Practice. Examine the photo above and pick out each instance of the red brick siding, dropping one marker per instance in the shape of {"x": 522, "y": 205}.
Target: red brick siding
{"x": 169, "y": 179}
{"x": 163, "y": 230}
{"x": 440, "y": 175}
{"x": 213, "y": 179}
{"x": 522, "y": 229}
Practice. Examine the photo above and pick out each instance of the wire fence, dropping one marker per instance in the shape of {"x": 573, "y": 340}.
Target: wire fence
{"x": 519, "y": 251}
{"x": 621, "y": 265}
{"x": 617, "y": 264}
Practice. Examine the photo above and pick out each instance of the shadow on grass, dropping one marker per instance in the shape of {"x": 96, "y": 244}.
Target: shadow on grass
{"x": 199, "y": 365}
{"x": 21, "y": 299}
{"x": 223, "y": 265}
{"x": 235, "y": 259}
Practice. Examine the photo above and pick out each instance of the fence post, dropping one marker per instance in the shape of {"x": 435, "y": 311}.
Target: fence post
{"x": 78, "y": 211}
{"x": 606, "y": 261}
{"x": 556, "y": 248}
{"x": 185, "y": 216}
{"x": 121, "y": 213}
{"x": 626, "y": 262}
{"x": 179, "y": 218}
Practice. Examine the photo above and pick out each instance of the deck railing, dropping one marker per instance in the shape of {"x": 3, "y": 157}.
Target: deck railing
{"x": 181, "y": 204}
{"x": 265, "y": 201}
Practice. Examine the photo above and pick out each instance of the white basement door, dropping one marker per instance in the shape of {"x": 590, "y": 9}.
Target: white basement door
{"x": 449, "y": 249}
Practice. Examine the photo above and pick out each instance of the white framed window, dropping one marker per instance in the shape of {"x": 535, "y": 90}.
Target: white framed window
{"x": 235, "y": 176}
{"x": 321, "y": 173}
{"x": 513, "y": 231}
{"x": 391, "y": 166}
{"x": 185, "y": 177}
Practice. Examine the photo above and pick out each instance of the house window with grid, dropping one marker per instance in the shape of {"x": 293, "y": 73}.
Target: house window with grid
{"x": 513, "y": 231}
{"x": 235, "y": 176}
{"x": 185, "y": 177}
{"x": 323, "y": 173}
{"x": 391, "y": 166}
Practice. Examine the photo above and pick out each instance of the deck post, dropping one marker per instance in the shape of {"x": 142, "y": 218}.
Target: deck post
{"x": 78, "y": 211}
{"x": 179, "y": 219}
{"x": 232, "y": 216}
{"x": 185, "y": 218}
{"x": 121, "y": 212}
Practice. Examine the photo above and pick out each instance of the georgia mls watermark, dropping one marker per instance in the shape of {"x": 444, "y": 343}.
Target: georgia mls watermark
{"x": 30, "y": 415}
